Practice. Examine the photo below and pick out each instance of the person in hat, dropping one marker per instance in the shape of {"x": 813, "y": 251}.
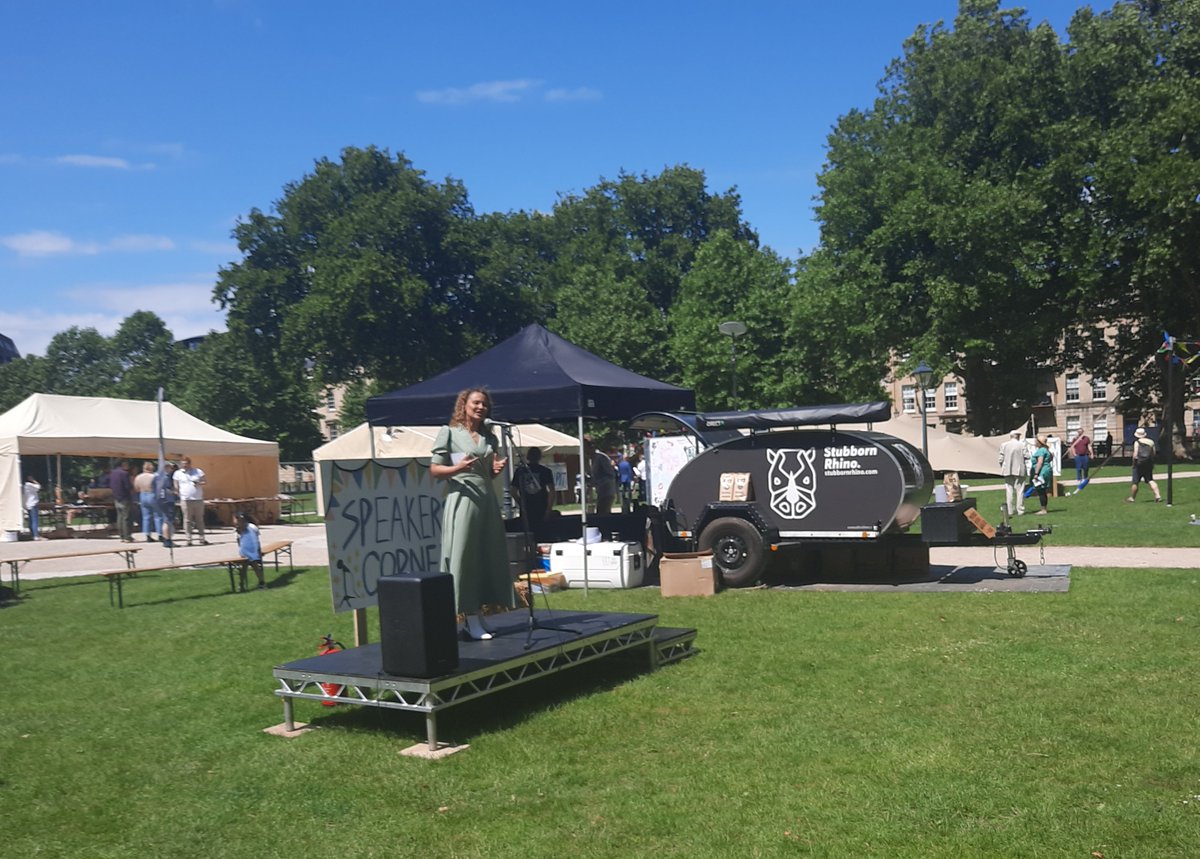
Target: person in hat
{"x": 1143, "y": 466}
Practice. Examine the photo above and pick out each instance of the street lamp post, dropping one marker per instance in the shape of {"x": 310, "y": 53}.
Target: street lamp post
{"x": 924, "y": 376}
{"x": 734, "y": 330}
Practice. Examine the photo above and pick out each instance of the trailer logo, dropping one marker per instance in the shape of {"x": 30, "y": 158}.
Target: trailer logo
{"x": 792, "y": 481}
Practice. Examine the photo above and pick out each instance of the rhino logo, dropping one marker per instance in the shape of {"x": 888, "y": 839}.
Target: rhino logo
{"x": 792, "y": 481}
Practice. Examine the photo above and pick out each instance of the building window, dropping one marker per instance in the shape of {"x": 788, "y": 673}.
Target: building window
{"x": 1100, "y": 428}
{"x": 950, "y": 396}
{"x": 1072, "y": 428}
{"x": 329, "y": 402}
{"x": 1072, "y": 389}
{"x": 333, "y": 430}
{"x": 930, "y": 400}
{"x": 908, "y": 398}
{"x": 1099, "y": 389}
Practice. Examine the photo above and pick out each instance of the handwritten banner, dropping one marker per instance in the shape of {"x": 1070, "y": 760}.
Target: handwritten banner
{"x": 381, "y": 519}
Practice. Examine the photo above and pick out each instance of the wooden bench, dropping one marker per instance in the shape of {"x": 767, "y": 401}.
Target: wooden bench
{"x": 116, "y": 578}
{"x": 14, "y": 564}
{"x": 275, "y": 549}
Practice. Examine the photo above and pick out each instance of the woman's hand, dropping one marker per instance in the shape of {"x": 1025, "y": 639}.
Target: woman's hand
{"x": 498, "y": 465}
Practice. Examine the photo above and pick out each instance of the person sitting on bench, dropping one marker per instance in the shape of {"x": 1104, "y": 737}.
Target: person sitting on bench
{"x": 250, "y": 548}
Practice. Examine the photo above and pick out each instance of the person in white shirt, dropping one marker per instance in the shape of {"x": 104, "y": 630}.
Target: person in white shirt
{"x": 32, "y": 490}
{"x": 189, "y": 486}
{"x": 1015, "y": 469}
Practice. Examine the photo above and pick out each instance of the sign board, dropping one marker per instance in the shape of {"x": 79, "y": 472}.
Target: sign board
{"x": 382, "y": 518}
{"x": 665, "y": 456}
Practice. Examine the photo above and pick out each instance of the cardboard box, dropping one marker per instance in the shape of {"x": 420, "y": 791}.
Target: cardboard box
{"x": 687, "y": 574}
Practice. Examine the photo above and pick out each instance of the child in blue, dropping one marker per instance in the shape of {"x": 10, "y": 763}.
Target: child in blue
{"x": 250, "y": 548}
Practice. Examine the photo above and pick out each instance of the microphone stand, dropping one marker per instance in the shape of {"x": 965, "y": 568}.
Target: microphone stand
{"x": 530, "y": 545}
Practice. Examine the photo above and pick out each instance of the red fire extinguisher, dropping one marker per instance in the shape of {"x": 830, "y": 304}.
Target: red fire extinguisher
{"x": 328, "y": 645}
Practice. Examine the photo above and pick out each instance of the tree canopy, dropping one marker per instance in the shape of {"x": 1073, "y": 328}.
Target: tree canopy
{"x": 1010, "y": 202}
{"x": 1008, "y": 195}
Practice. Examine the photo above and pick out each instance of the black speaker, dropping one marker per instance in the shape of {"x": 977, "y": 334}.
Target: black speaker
{"x": 418, "y": 633}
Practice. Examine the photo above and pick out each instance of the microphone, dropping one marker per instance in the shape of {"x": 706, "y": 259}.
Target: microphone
{"x": 488, "y": 422}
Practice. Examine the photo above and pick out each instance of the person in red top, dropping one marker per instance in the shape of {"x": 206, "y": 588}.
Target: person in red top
{"x": 1081, "y": 450}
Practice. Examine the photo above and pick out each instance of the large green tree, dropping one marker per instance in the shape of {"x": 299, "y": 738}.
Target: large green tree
{"x": 620, "y": 252}
{"x": 81, "y": 362}
{"x": 148, "y": 355}
{"x": 20, "y": 378}
{"x": 366, "y": 269}
{"x": 942, "y": 208}
{"x": 222, "y": 383}
{"x": 734, "y": 280}
{"x": 1134, "y": 76}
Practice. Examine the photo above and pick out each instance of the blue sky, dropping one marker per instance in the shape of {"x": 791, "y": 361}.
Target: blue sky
{"x": 137, "y": 133}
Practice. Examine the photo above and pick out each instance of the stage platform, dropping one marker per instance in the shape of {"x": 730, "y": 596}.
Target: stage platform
{"x": 560, "y": 640}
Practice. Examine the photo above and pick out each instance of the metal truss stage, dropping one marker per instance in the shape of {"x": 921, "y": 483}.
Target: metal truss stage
{"x": 560, "y": 640}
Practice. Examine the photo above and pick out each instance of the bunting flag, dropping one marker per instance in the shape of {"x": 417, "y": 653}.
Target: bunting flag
{"x": 1176, "y": 351}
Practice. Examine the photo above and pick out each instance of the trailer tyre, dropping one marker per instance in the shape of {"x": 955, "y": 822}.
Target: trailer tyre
{"x": 738, "y": 551}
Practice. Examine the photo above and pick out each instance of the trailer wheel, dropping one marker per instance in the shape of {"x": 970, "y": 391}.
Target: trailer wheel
{"x": 738, "y": 551}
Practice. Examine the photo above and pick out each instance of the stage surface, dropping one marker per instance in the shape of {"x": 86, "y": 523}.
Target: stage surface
{"x": 516, "y": 654}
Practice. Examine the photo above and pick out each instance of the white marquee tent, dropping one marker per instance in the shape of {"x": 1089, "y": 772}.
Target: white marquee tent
{"x": 404, "y": 442}
{"x": 47, "y": 424}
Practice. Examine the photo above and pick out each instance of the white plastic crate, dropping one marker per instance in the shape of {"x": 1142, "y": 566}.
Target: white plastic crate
{"x": 610, "y": 564}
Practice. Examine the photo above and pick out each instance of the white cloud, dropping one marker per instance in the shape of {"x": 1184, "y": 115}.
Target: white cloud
{"x": 493, "y": 91}
{"x": 43, "y": 243}
{"x": 228, "y": 249}
{"x": 40, "y": 243}
{"x": 140, "y": 243}
{"x": 185, "y": 306}
{"x": 93, "y": 161}
{"x": 582, "y": 93}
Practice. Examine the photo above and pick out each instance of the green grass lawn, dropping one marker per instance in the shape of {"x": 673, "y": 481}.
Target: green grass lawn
{"x": 1099, "y": 516}
{"x": 809, "y": 724}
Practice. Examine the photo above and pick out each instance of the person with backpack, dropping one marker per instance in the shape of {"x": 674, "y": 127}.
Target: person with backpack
{"x": 535, "y": 488}
{"x": 1143, "y": 466}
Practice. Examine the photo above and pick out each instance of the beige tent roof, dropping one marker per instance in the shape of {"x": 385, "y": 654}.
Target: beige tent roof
{"x": 99, "y": 426}
{"x": 948, "y": 451}
{"x": 410, "y": 442}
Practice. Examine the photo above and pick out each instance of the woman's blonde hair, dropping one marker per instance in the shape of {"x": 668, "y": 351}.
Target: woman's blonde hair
{"x": 459, "y": 417}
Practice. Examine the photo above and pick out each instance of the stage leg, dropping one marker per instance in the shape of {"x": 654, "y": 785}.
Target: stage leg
{"x": 289, "y": 719}
{"x": 431, "y": 731}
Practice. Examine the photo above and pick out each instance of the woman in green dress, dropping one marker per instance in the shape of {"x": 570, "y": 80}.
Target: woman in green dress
{"x": 474, "y": 550}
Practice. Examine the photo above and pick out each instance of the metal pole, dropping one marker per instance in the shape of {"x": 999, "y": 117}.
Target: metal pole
{"x": 1168, "y": 426}
{"x": 733, "y": 369}
{"x": 924, "y": 426}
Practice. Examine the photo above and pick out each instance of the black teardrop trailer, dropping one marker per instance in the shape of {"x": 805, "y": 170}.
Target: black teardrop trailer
{"x": 748, "y": 484}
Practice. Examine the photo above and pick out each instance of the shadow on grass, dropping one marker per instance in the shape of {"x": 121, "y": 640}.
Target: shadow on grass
{"x": 797, "y": 576}
{"x": 501, "y": 711}
{"x": 283, "y": 580}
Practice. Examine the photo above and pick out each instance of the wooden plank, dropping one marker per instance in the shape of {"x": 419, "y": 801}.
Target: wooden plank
{"x": 981, "y": 524}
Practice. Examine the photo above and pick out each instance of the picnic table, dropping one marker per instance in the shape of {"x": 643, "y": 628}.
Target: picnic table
{"x": 115, "y": 578}
{"x": 14, "y": 564}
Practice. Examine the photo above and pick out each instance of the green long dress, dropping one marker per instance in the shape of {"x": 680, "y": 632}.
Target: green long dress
{"x": 474, "y": 550}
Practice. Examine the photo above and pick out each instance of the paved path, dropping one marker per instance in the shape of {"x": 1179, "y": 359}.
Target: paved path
{"x": 308, "y": 547}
